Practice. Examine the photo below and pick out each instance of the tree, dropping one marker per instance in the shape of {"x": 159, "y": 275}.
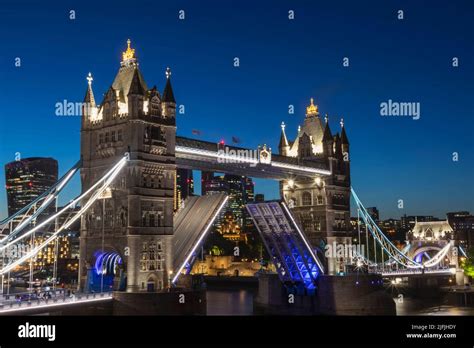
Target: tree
{"x": 467, "y": 263}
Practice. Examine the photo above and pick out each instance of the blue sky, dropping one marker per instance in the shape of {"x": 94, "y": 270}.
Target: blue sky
{"x": 282, "y": 62}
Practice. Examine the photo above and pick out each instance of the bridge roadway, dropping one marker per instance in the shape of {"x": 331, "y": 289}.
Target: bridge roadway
{"x": 204, "y": 155}
{"x": 191, "y": 225}
{"x": 416, "y": 272}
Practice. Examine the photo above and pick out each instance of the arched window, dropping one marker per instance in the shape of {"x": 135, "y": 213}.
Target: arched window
{"x": 307, "y": 198}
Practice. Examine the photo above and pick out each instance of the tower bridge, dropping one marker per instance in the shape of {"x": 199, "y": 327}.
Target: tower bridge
{"x": 131, "y": 239}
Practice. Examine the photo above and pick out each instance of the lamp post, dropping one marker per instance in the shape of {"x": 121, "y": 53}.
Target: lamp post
{"x": 170, "y": 273}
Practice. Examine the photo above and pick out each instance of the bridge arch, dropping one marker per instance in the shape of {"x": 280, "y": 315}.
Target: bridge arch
{"x": 106, "y": 273}
{"x": 420, "y": 252}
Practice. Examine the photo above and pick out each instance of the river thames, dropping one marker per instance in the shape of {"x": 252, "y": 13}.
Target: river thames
{"x": 240, "y": 302}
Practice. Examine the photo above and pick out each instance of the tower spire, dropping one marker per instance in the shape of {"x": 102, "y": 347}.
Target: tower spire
{"x": 89, "y": 97}
{"x": 128, "y": 56}
{"x": 168, "y": 95}
{"x": 344, "y": 140}
{"x": 312, "y": 110}
{"x": 283, "y": 145}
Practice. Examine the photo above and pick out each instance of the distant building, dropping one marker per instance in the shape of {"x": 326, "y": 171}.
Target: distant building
{"x": 408, "y": 222}
{"x": 430, "y": 231}
{"x": 184, "y": 186}
{"x": 259, "y": 198}
{"x": 462, "y": 223}
{"x": 374, "y": 213}
{"x": 28, "y": 178}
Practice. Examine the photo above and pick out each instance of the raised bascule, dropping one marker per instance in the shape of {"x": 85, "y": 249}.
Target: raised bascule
{"x": 133, "y": 242}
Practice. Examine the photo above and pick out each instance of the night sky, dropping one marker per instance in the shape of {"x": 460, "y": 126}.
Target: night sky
{"x": 282, "y": 62}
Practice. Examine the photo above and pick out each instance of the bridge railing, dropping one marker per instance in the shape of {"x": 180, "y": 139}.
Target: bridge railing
{"x": 56, "y": 301}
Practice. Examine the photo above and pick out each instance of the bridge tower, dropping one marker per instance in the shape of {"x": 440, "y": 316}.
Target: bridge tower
{"x": 132, "y": 225}
{"x": 320, "y": 204}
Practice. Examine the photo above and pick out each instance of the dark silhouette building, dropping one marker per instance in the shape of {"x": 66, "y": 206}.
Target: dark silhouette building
{"x": 28, "y": 178}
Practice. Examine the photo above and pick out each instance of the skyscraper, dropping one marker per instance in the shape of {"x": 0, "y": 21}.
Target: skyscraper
{"x": 184, "y": 186}
{"x": 28, "y": 178}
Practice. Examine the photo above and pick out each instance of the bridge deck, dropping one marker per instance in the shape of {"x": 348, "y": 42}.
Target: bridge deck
{"x": 288, "y": 247}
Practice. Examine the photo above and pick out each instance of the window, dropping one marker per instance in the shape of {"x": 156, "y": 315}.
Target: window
{"x": 152, "y": 220}
{"x": 101, "y": 138}
{"x": 119, "y": 135}
{"x": 320, "y": 200}
{"x": 107, "y": 137}
{"x": 145, "y": 219}
{"x": 160, "y": 182}
{"x": 307, "y": 198}
{"x": 113, "y": 136}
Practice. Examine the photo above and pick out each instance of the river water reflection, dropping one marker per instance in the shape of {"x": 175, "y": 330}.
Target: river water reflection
{"x": 240, "y": 302}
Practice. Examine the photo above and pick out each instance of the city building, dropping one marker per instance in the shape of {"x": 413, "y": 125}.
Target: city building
{"x": 184, "y": 186}
{"x": 374, "y": 213}
{"x": 259, "y": 198}
{"x": 408, "y": 222}
{"x": 28, "y": 178}
{"x": 462, "y": 223}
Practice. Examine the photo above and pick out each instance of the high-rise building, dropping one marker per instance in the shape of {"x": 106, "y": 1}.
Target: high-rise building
{"x": 184, "y": 186}
{"x": 462, "y": 223}
{"x": 28, "y": 178}
{"x": 374, "y": 213}
{"x": 259, "y": 198}
{"x": 249, "y": 197}
{"x": 236, "y": 193}
{"x": 205, "y": 177}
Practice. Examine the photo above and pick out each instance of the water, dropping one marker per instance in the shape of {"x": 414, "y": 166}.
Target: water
{"x": 240, "y": 302}
{"x": 229, "y": 302}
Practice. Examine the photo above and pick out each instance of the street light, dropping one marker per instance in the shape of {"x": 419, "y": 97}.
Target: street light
{"x": 170, "y": 273}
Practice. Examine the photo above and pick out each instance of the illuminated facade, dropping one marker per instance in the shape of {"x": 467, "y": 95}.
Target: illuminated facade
{"x": 230, "y": 228}
{"x": 321, "y": 204}
{"x": 137, "y": 219}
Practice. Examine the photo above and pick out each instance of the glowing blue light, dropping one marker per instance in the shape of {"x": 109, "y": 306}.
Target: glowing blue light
{"x": 105, "y": 262}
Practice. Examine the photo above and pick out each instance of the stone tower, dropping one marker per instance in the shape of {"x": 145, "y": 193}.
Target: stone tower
{"x": 320, "y": 204}
{"x": 126, "y": 237}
